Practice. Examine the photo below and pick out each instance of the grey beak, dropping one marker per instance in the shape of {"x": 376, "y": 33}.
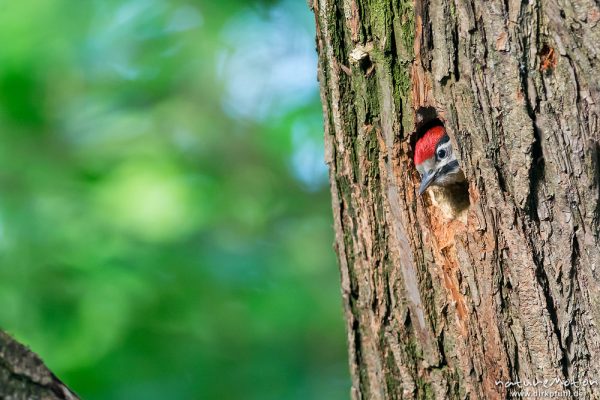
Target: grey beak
{"x": 426, "y": 181}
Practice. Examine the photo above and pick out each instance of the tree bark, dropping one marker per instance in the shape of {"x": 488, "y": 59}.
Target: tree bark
{"x": 452, "y": 302}
{"x": 23, "y": 376}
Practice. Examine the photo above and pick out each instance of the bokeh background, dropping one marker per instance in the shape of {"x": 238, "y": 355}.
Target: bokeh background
{"x": 165, "y": 225}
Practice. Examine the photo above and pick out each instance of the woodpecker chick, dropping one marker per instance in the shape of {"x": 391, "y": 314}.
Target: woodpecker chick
{"x": 435, "y": 160}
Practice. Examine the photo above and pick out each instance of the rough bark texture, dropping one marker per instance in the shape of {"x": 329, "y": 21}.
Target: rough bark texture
{"x": 443, "y": 304}
{"x": 23, "y": 376}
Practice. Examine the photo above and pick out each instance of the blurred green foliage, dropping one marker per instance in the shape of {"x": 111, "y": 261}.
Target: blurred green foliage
{"x": 165, "y": 228}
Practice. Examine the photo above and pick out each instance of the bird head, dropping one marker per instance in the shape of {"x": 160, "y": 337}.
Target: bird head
{"x": 435, "y": 160}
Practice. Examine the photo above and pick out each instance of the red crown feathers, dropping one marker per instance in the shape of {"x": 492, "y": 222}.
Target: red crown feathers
{"x": 425, "y": 147}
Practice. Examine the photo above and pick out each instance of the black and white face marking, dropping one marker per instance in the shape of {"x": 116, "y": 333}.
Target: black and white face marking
{"x": 443, "y": 149}
{"x": 442, "y": 169}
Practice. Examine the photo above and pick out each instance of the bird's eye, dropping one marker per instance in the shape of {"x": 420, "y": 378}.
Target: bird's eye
{"x": 441, "y": 153}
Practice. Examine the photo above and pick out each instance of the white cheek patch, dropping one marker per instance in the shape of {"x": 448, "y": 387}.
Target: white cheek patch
{"x": 426, "y": 166}
{"x": 451, "y": 178}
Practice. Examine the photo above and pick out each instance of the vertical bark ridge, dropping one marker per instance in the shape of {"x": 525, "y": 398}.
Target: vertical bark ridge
{"x": 440, "y": 307}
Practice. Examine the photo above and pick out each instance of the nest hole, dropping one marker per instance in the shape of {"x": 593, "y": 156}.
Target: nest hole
{"x": 452, "y": 200}
{"x": 425, "y": 118}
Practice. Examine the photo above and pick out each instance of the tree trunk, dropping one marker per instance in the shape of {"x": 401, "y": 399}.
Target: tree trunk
{"x": 447, "y": 300}
{"x": 23, "y": 376}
